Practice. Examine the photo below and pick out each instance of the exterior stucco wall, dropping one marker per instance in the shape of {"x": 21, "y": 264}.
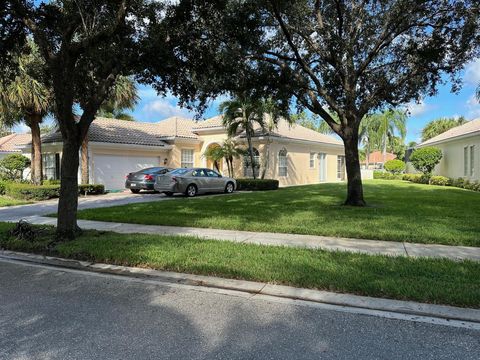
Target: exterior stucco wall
{"x": 452, "y": 163}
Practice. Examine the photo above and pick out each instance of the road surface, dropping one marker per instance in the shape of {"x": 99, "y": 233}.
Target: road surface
{"x": 48, "y": 313}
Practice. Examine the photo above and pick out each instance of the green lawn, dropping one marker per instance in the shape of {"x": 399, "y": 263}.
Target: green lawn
{"x": 6, "y": 201}
{"x": 397, "y": 211}
{"x": 425, "y": 280}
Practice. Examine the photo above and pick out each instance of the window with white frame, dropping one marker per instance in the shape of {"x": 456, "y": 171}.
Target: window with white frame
{"x": 465, "y": 161}
{"x": 312, "y": 160}
{"x": 340, "y": 167}
{"x": 472, "y": 160}
{"x": 282, "y": 163}
{"x": 187, "y": 158}
{"x": 49, "y": 161}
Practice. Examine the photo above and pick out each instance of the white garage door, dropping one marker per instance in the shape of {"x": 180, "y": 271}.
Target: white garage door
{"x": 110, "y": 170}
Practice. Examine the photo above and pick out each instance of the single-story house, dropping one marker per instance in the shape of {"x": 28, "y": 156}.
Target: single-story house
{"x": 461, "y": 151}
{"x": 376, "y": 160}
{"x": 10, "y": 144}
{"x": 296, "y": 155}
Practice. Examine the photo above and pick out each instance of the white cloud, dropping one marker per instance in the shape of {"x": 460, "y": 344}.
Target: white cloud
{"x": 163, "y": 108}
{"x": 473, "y": 107}
{"x": 417, "y": 108}
{"x": 472, "y": 73}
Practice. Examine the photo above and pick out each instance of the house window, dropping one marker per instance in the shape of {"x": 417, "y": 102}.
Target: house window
{"x": 282, "y": 163}
{"x": 312, "y": 160}
{"x": 472, "y": 160}
{"x": 247, "y": 168}
{"x": 187, "y": 158}
{"x": 465, "y": 161}
{"x": 51, "y": 166}
{"x": 341, "y": 167}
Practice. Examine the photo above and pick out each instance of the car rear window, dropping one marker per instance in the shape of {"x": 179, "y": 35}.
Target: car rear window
{"x": 151, "y": 170}
{"x": 179, "y": 171}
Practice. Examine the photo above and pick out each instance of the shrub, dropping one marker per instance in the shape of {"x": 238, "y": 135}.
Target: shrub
{"x": 383, "y": 175}
{"x": 395, "y": 166}
{"x": 51, "y": 182}
{"x": 458, "y": 182}
{"x": 440, "y": 180}
{"x": 425, "y": 159}
{"x": 31, "y": 192}
{"x": 91, "y": 189}
{"x": 13, "y": 165}
{"x": 257, "y": 184}
{"x": 2, "y": 187}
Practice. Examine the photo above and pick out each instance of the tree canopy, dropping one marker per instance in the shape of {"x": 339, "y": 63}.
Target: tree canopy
{"x": 439, "y": 126}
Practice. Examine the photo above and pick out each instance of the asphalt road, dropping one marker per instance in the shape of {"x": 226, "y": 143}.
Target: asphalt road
{"x": 52, "y": 314}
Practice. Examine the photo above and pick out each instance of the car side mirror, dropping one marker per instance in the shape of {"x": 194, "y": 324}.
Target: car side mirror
{"x": 219, "y": 175}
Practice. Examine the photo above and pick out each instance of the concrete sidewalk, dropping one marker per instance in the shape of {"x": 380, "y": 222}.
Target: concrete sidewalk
{"x": 373, "y": 247}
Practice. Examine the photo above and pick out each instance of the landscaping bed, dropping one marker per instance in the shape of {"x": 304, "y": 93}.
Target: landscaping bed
{"x": 7, "y": 201}
{"x": 438, "y": 281}
{"x": 397, "y": 211}
{"x": 26, "y": 191}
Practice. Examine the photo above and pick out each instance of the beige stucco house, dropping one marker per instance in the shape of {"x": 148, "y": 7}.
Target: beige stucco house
{"x": 296, "y": 155}
{"x": 461, "y": 151}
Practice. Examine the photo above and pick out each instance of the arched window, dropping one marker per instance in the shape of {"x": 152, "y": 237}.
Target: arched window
{"x": 282, "y": 162}
{"x": 247, "y": 168}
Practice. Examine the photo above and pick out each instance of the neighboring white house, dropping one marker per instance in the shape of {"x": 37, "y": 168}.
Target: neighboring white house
{"x": 11, "y": 144}
{"x": 461, "y": 151}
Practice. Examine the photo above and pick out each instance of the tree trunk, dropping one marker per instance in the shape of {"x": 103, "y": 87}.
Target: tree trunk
{"x": 85, "y": 167}
{"x": 367, "y": 162}
{"x": 384, "y": 149}
{"x": 354, "y": 175}
{"x": 266, "y": 157}
{"x": 252, "y": 158}
{"x": 36, "y": 154}
{"x": 67, "y": 204}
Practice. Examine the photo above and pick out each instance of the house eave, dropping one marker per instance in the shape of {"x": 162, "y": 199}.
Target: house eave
{"x": 453, "y": 138}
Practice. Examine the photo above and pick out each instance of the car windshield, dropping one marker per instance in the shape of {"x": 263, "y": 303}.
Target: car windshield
{"x": 179, "y": 171}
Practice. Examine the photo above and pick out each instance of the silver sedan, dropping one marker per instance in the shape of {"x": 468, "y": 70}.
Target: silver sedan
{"x": 193, "y": 181}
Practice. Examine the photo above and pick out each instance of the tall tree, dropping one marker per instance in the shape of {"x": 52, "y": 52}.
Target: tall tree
{"x": 352, "y": 57}
{"x": 369, "y": 136}
{"x": 438, "y": 126}
{"x": 243, "y": 113}
{"x": 27, "y": 97}
{"x": 86, "y": 45}
{"x": 313, "y": 122}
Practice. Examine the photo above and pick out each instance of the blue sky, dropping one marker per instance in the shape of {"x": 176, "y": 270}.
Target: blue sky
{"x": 152, "y": 108}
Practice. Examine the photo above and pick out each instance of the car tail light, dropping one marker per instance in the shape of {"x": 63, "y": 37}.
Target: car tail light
{"x": 127, "y": 176}
{"x": 148, "y": 177}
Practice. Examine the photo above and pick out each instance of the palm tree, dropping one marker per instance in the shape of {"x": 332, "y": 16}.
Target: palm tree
{"x": 27, "y": 98}
{"x": 438, "y": 126}
{"x": 369, "y": 136}
{"x": 123, "y": 96}
{"x": 214, "y": 154}
{"x": 389, "y": 123}
{"x": 243, "y": 114}
{"x": 229, "y": 150}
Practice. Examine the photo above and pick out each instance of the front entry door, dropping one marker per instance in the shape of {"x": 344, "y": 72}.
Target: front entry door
{"x": 322, "y": 166}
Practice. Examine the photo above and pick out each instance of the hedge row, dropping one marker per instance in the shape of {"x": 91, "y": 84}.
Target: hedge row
{"x": 44, "y": 192}
{"x": 257, "y": 184}
{"x": 431, "y": 180}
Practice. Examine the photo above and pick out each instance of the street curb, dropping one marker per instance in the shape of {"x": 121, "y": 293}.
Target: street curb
{"x": 257, "y": 288}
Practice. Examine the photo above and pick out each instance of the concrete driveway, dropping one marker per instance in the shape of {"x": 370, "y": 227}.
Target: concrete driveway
{"x": 50, "y": 206}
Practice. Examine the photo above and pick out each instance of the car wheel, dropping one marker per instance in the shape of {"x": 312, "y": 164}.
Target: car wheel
{"x": 135, "y": 191}
{"x": 168, "y": 193}
{"x": 229, "y": 188}
{"x": 191, "y": 190}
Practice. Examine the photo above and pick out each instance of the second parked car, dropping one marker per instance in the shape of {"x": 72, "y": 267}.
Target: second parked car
{"x": 192, "y": 181}
{"x": 144, "y": 179}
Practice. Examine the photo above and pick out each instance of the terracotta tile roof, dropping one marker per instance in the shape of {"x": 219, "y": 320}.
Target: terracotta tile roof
{"x": 470, "y": 127}
{"x": 215, "y": 121}
{"x": 377, "y": 157}
{"x": 118, "y": 132}
{"x": 176, "y": 126}
{"x": 284, "y": 130}
{"x": 8, "y": 143}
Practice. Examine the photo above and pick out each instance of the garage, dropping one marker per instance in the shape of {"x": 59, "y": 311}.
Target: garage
{"x": 110, "y": 170}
